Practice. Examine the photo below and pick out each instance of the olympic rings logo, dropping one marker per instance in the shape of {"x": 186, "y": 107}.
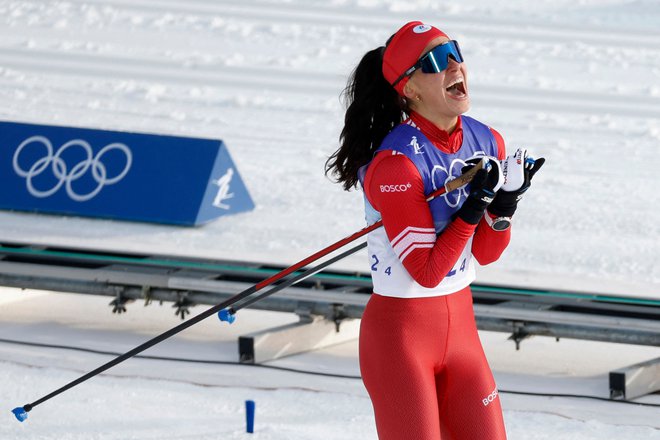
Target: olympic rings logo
{"x": 65, "y": 175}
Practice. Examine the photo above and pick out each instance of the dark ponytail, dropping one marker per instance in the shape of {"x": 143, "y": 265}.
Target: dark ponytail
{"x": 373, "y": 109}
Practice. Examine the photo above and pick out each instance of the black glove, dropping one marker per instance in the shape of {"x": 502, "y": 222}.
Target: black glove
{"x": 482, "y": 191}
{"x": 518, "y": 170}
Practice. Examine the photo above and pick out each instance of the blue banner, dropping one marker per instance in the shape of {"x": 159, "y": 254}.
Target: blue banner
{"x": 127, "y": 176}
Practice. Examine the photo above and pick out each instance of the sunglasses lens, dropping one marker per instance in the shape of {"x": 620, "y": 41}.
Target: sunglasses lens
{"x": 438, "y": 58}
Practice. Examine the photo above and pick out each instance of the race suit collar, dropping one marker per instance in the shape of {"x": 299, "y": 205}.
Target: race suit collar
{"x": 448, "y": 143}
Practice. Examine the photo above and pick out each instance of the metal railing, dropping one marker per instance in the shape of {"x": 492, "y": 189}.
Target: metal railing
{"x": 333, "y": 294}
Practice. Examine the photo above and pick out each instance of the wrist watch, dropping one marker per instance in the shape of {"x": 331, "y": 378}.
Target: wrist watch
{"x": 498, "y": 223}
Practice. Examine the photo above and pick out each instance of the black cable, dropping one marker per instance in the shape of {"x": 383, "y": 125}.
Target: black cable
{"x": 294, "y": 370}
{"x": 578, "y": 396}
{"x": 173, "y": 359}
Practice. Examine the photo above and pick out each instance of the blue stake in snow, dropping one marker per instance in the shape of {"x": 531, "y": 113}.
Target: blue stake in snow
{"x": 226, "y": 315}
{"x": 249, "y": 416}
{"x": 20, "y": 413}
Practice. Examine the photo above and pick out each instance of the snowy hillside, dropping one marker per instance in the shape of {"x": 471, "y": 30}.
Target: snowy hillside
{"x": 577, "y": 82}
{"x": 574, "y": 81}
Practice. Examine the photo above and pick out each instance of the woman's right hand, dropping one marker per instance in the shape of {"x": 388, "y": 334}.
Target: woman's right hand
{"x": 482, "y": 190}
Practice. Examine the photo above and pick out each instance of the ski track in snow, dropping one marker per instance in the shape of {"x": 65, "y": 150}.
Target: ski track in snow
{"x": 377, "y": 19}
{"x": 523, "y": 98}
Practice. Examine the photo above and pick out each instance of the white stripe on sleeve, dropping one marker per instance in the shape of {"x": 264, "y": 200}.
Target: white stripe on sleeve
{"x": 413, "y": 238}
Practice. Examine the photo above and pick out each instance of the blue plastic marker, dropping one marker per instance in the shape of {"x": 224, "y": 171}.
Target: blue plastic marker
{"x": 226, "y": 316}
{"x": 249, "y": 416}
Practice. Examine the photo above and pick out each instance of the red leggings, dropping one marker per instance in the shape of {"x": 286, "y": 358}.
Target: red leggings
{"x": 425, "y": 370}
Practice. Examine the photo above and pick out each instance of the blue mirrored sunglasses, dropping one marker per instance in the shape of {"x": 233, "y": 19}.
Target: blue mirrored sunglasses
{"x": 436, "y": 60}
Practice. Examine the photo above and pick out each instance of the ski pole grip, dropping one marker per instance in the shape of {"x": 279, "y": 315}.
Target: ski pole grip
{"x": 466, "y": 177}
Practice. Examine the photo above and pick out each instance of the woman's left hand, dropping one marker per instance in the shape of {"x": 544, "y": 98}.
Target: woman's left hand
{"x": 518, "y": 170}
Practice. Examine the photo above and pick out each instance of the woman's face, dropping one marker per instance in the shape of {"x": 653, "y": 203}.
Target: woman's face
{"x": 442, "y": 95}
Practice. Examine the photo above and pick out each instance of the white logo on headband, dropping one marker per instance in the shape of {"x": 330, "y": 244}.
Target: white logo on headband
{"x": 421, "y": 28}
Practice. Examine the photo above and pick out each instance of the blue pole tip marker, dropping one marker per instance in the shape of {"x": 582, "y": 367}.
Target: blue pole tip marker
{"x": 226, "y": 315}
{"x": 20, "y": 413}
{"x": 249, "y": 416}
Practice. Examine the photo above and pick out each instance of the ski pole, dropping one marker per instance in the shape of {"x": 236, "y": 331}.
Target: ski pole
{"x": 21, "y": 413}
{"x": 224, "y": 315}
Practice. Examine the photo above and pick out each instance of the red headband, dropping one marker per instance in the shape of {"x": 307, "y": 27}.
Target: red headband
{"x": 405, "y": 49}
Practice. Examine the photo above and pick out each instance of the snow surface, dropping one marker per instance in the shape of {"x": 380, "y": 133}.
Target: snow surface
{"x": 156, "y": 399}
{"x": 575, "y": 81}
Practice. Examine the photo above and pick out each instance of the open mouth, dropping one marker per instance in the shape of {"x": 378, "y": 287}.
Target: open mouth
{"x": 457, "y": 88}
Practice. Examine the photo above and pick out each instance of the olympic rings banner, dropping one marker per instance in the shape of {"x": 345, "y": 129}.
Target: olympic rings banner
{"x": 127, "y": 176}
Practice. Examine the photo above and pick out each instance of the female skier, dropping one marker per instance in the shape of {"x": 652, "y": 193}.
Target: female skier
{"x": 404, "y": 136}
